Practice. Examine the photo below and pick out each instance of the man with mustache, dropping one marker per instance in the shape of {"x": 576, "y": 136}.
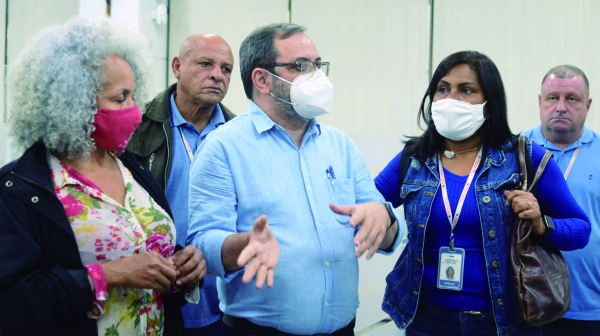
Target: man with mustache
{"x": 564, "y": 104}
{"x": 174, "y": 124}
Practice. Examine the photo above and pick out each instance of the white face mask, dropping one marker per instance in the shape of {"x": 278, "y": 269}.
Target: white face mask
{"x": 457, "y": 120}
{"x": 311, "y": 94}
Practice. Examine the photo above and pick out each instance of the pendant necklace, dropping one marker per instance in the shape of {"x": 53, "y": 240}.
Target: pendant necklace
{"x": 450, "y": 154}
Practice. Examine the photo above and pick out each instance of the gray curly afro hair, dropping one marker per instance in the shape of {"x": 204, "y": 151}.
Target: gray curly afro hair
{"x": 54, "y": 82}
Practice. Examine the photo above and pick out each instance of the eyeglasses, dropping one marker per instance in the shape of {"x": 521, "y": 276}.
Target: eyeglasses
{"x": 302, "y": 67}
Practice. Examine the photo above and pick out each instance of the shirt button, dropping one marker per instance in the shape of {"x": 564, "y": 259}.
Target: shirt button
{"x": 9, "y": 184}
{"x": 319, "y": 225}
{"x": 495, "y": 264}
{"x": 486, "y": 199}
{"x": 327, "y": 263}
{"x": 308, "y": 188}
{"x": 326, "y": 304}
{"x": 500, "y": 302}
{"x": 34, "y": 199}
{"x": 492, "y": 234}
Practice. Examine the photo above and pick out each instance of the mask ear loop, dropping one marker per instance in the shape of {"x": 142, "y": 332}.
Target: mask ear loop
{"x": 271, "y": 93}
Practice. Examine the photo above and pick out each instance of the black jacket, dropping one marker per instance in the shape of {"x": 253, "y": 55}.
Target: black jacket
{"x": 44, "y": 287}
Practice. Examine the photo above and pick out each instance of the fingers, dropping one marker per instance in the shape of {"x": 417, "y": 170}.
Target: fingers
{"x": 360, "y": 240}
{"x": 373, "y": 219}
{"x": 270, "y": 277}
{"x": 249, "y": 252}
{"x": 371, "y": 243}
{"x": 342, "y": 209}
{"x": 524, "y": 204}
{"x": 375, "y": 245}
{"x": 261, "y": 276}
{"x": 252, "y": 265}
{"x": 150, "y": 270}
{"x": 182, "y": 256}
{"x": 261, "y": 255}
{"x": 194, "y": 269}
{"x": 259, "y": 224}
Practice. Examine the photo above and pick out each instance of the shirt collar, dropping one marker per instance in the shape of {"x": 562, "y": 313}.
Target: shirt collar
{"x": 262, "y": 122}
{"x": 177, "y": 120}
{"x": 586, "y": 137}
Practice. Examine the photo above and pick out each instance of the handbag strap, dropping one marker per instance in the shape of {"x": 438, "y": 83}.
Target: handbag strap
{"x": 541, "y": 168}
{"x": 523, "y": 165}
{"x": 522, "y": 162}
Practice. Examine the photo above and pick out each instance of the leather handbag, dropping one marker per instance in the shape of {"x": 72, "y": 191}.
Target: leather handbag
{"x": 540, "y": 272}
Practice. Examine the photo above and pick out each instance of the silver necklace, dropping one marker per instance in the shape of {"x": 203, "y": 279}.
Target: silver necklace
{"x": 450, "y": 154}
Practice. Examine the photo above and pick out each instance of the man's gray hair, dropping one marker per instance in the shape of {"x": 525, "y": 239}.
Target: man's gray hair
{"x": 258, "y": 49}
{"x": 568, "y": 71}
{"x": 55, "y": 80}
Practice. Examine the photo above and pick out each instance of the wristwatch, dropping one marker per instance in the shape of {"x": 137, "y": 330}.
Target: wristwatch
{"x": 388, "y": 207}
{"x": 549, "y": 224}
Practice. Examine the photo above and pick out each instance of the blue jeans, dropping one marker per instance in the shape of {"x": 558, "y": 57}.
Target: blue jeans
{"x": 432, "y": 320}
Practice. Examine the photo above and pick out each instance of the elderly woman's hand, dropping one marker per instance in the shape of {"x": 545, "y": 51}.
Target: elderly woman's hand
{"x": 190, "y": 265}
{"x": 526, "y": 206}
{"x": 145, "y": 270}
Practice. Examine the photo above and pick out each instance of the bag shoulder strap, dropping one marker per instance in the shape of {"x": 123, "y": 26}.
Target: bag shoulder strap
{"x": 526, "y": 166}
{"x": 540, "y": 169}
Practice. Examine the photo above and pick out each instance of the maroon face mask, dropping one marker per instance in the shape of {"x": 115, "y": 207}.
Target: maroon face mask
{"x": 115, "y": 127}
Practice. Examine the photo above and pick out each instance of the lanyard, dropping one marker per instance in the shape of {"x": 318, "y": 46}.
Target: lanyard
{"x": 187, "y": 145}
{"x": 463, "y": 195}
{"x": 572, "y": 162}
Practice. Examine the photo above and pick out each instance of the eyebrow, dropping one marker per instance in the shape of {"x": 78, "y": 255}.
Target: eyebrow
{"x": 459, "y": 84}
{"x": 212, "y": 60}
{"x": 302, "y": 59}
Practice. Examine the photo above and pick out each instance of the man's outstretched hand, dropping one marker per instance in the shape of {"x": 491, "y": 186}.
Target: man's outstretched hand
{"x": 260, "y": 255}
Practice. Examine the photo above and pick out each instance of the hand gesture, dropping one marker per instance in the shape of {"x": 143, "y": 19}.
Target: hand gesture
{"x": 374, "y": 221}
{"x": 189, "y": 265}
{"x": 144, "y": 270}
{"x": 526, "y": 206}
{"x": 260, "y": 255}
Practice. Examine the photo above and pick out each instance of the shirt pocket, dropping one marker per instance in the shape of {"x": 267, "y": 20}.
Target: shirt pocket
{"x": 341, "y": 192}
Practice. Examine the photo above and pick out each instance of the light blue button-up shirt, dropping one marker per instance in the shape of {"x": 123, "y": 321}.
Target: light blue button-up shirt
{"x": 251, "y": 166}
{"x": 207, "y": 310}
{"x": 584, "y": 184}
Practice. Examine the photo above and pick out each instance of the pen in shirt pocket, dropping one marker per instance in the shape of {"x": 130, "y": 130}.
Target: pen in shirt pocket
{"x": 331, "y": 176}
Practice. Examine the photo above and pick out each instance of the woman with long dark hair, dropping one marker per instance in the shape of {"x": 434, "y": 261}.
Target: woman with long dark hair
{"x": 460, "y": 207}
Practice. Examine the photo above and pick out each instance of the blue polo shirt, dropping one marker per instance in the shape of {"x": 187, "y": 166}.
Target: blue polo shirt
{"x": 584, "y": 183}
{"x": 207, "y": 310}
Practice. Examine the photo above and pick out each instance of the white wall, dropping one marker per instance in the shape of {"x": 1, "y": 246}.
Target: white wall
{"x": 525, "y": 39}
{"x": 25, "y": 18}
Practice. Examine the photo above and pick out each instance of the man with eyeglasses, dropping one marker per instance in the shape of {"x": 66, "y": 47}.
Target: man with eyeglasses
{"x": 275, "y": 188}
{"x": 174, "y": 124}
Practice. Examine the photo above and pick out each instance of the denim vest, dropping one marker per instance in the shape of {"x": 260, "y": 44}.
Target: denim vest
{"x": 499, "y": 172}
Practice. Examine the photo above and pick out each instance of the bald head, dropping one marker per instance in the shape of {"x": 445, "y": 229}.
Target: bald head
{"x": 203, "y": 70}
{"x": 199, "y": 41}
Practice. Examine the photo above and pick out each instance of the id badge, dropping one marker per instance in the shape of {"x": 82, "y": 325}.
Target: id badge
{"x": 450, "y": 269}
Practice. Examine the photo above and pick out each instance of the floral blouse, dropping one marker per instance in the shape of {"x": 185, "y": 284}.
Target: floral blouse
{"x": 106, "y": 230}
